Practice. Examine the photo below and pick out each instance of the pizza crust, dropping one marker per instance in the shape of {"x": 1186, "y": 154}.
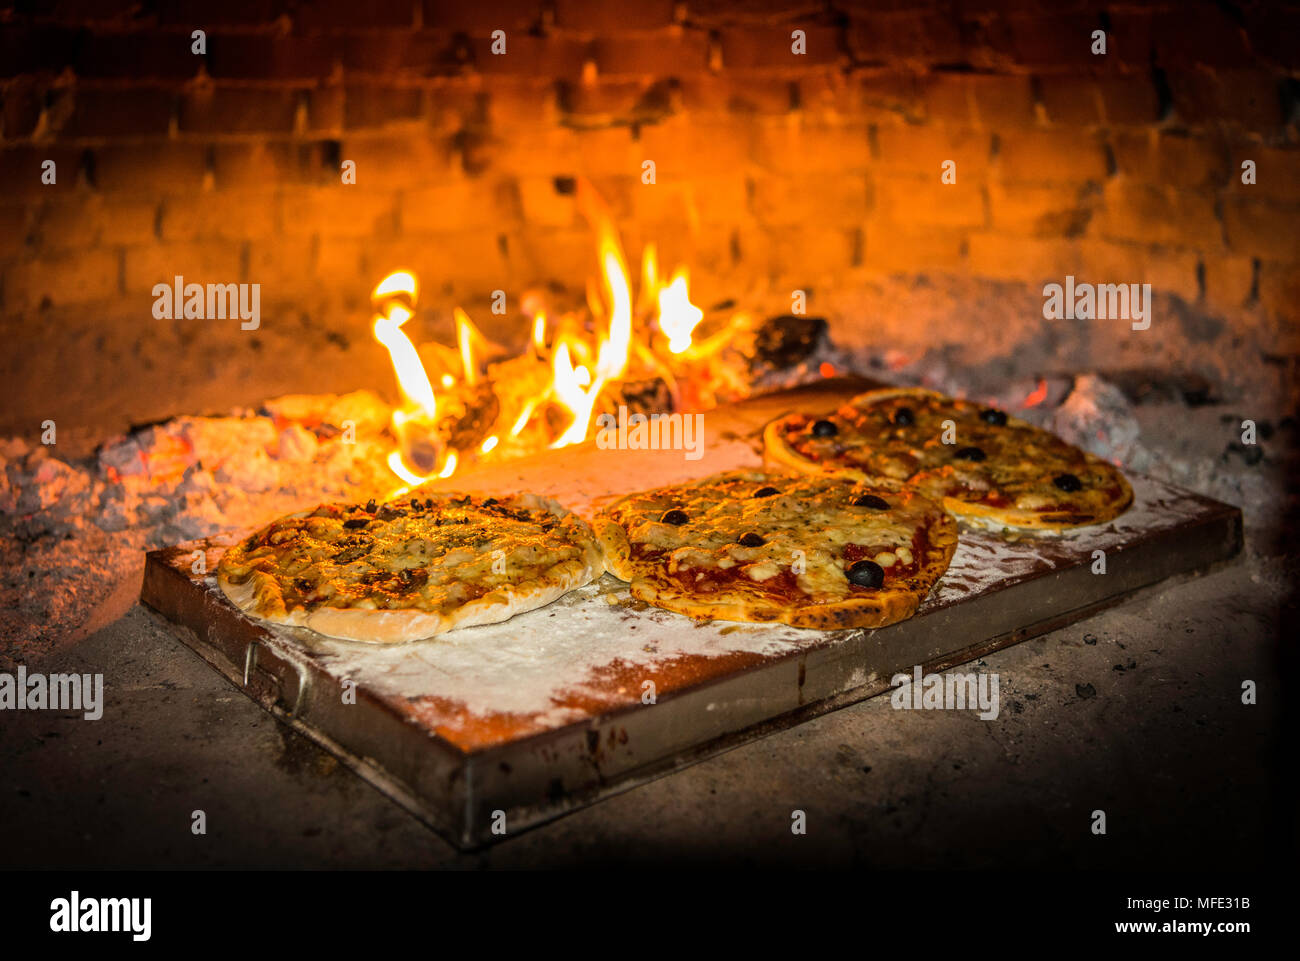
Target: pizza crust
{"x": 261, "y": 595}
{"x": 778, "y": 451}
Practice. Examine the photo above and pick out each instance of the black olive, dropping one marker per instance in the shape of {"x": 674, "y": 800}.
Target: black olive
{"x": 766, "y": 492}
{"x": 904, "y": 417}
{"x": 996, "y": 417}
{"x": 675, "y": 517}
{"x": 356, "y": 522}
{"x": 370, "y": 505}
{"x": 970, "y": 453}
{"x": 866, "y": 574}
{"x": 824, "y": 428}
{"x": 1067, "y": 482}
{"x": 872, "y": 501}
{"x": 751, "y": 539}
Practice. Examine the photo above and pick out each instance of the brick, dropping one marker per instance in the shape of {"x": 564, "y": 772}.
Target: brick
{"x": 1129, "y": 99}
{"x": 462, "y": 205}
{"x": 917, "y": 37}
{"x": 1170, "y": 271}
{"x": 598, "y": 104}
{"x": 1228, "y": 281}
{"x": 138, "y": 55}
{"x": 769, "y": 48}
{"x": 207, "y": 262}
{"x": 921, "y": 201}
{"x": 1277, "y": 171}
{"x": 1071, "y": 99}
{"x": 57, "y": 279}
{"x": 544, "y": 206}
{"x": 1150, "y": 214}
{"x": 282, "y": 266}
{"x": 920, "y": 150}
{"x": 348, "y": 15}
{"x": 392, "y": 162}
{"x": 22, "y": 108}
{"x": 272, "y": 57}
{"x": 220, "y": 13}
{"x": 599, "y": 16}
{"x": 552, "y": 56}
{"x": 540, "y": 256}
{"x": 507, "y": 15}
{"x": 84, "y": 222}
{"x": 1272, "y": 31}
{"x": 893, "y": 95}
{"x": 1198, "y": 33}
{"x": 790, "y": 202}
{"x": 1002, "y": 101}
{"x": 809, "y": 148}
{"x": 752, "y": 96}
{"x": 36, "y": 50}
{"x": 219, "y": 215}
{"x": 339, "y": 261}
{"x": 460, "y": 264}
{"x": 1262, "y": 229}
{"x": 1040, "y": 210}
{"x": 1279, "y": 290}
{"x": 672, "y": 51}
{"x": 1027, "y": 259}
{"x": 269, "y": 163}
{"x": 800, "y": 256}
{"x": 88, "y": 11}
{"x": 411, "y": 53}
{"x": 681, "y": 151}
{"x": 1130, "y": 41}
{"x": 1166, "y": 158}
{"x": 340, "y": 211}
{"x": 1057, "y": 42}
{"x": 948, "y": 97}
{"x": 238, "y": 110}
{"x": 1247, "y": 98}
{"x": 118, "y": 113}
{"x": 21, "y": 170}
{"x": 715, "y": 13}
{"x": 513, "y": 104}
{"x": 895, "y": 249}
{"x": 325, "y": 109}
{"x": 14, "y": 224}
{"x": 371, "y": 105}
{"x": 150, "y": 168}
{"x": 1042, "y": 156}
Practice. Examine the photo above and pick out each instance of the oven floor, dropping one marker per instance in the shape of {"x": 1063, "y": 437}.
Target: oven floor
{"x": 1163, "y": 746}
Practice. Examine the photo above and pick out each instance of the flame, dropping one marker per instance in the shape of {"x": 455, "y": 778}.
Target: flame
{"x": 677, "y": 315}
{"x": 573, "y": 359}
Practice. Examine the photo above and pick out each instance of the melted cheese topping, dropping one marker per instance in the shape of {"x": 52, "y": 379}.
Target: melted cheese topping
{"x": 432, "y": 554}
{"x": 811, "y": 519}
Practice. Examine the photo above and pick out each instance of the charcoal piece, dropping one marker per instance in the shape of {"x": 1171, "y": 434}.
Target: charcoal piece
{"x": 469, "y": 431}
{"x": 646, "y": 396}
{"x": 784, "y": 341}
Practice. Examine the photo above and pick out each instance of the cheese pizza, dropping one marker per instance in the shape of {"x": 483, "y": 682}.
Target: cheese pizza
{"x": 985, "y": 466}
{"x": 411, "y": 568}
{"x": 821, "y": 552}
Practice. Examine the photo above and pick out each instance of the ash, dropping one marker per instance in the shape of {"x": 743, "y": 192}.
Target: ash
{"x": 73, "y": 532}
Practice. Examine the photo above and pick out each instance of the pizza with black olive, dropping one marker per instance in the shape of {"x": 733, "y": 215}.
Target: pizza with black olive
{"x": 411, "y": 568}
{"x": 811, "y": 551}
{"x": 984, "y": 465}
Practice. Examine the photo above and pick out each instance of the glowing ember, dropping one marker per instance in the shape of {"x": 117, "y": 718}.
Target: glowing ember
{"x": 1036, "y": 396}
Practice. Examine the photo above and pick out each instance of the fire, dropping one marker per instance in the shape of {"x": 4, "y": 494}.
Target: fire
{"x": 573, "y": 366}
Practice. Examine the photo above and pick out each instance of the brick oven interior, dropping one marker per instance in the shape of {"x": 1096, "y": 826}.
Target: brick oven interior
{"x": 1169, "y": 160}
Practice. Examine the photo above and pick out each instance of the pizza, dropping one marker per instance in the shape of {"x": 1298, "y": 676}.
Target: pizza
{"x": 410, "y": 568}
{"x": 810, "y": 551}
{"x": 985, "y": 466}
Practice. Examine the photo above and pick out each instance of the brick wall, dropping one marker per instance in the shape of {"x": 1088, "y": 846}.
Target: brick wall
{"x": 819, "y": 170}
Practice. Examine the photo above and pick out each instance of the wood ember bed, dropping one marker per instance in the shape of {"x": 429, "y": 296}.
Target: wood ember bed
{"x": 544, "y": 713}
